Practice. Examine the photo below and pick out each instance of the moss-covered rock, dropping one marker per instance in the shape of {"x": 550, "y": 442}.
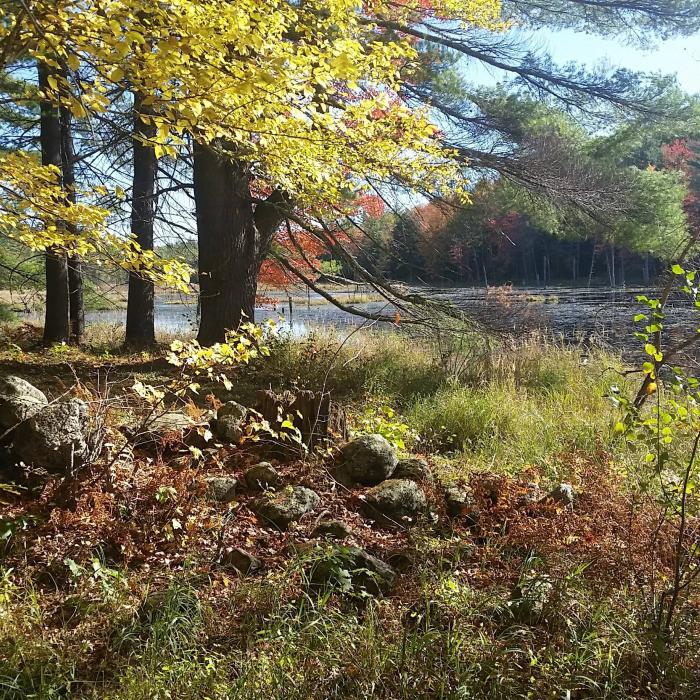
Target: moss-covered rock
{"x": 414, "y": 468}
{"x": 19, "y": 400}
{"x": 395, "y": 502}
{"x": 55, "y": 437}
{"x": 287, "y": 506}
{"x": 261, "y": 477}
{"x": 221, "y": 488}
{"x": 367, "y": 460}
{"x": 352, "y": 569}
{"x": 229, "y": 421}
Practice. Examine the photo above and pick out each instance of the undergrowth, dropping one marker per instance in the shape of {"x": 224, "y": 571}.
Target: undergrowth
{"x": 268, "y": 639}
{"x": 116, "y": 595}
{"x": 498, "y": 406}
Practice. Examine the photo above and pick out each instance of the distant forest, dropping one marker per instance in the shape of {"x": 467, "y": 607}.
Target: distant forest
{"x": 507, "y": 236}
{"x": 519, "y": 254}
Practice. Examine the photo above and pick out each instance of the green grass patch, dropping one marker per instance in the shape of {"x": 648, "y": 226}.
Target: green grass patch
{"x": 7, "y": 315}
{"x": 536, "y": 403}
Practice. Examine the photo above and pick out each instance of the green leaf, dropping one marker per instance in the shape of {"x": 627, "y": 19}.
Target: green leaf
{"x": 677, "y": 270}
{"x": 75, "y": 569}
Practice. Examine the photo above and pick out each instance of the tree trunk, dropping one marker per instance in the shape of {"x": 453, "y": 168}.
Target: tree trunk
{"x": 613, "y": 271}
{"x": 228, "y": 244}
{"x": 234, "y": 236}
{"x": 317, "y": 418}
{"x": 76, "y": 299}
{"x": 622, "y": 268}
{"x": 140, "y": 323}
{"x": 590, "y": 271}
{"x": 645, "y": 270}
{"x": 56, "y": 320}
{"x": 76, "y": 303}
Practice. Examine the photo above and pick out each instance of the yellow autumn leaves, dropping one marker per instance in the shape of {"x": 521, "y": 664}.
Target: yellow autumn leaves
{"x": 35, "y": 212}
{"x": 307, "y": 93}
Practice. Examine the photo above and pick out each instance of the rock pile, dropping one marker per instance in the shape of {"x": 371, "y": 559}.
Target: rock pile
{"x": 52, "y": 436}
{"x": 395, "y": 499}
{"x": 389, "y": 498}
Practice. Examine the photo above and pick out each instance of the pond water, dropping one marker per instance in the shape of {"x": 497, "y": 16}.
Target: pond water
{"x": 568, "y": 313}
{"x": 572, "y": 314}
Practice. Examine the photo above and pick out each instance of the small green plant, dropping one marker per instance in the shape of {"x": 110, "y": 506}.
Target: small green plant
{"x": 10, "y": 527}
{"x": 15, "y": 351}
{"x": 109, "y": 580}
{"x": 383, "y": 420}
{"x": 662, "y": 424}
{"x": 165, "y": 494}
{"x": 6, "y": 313}
{"x": 60, "y": 350}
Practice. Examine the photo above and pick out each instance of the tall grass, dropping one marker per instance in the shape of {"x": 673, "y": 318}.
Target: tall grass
{"x": 448, "y": 640}
{"x": 535, "y": 403}
{"x": 365, "y": 363}
{"x": 503, "y": 407}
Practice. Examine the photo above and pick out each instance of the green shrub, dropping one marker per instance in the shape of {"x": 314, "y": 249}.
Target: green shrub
{"x": 7, "y": 315}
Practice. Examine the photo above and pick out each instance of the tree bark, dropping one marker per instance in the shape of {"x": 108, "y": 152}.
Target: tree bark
{"x": 645, "y": 270}
{"x": 610, "y": 261}
{"x": 76, "y": 300}
{"x": 621, "y": 276}
{"x": 56, "y": 319}
{"x": 140, "y": 322}
{"x": 234, "y": 237}
{"x": 590, "y": 271}
{"x": 317, "y": 418}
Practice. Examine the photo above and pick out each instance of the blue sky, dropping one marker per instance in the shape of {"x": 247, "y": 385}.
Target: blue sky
{"x": 680, "y": 56}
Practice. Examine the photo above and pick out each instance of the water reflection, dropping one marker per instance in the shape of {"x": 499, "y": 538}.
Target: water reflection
{"x": 566, "y": 312}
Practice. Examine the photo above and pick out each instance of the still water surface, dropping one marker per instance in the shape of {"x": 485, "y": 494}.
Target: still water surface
{"x": 569, "y": 313}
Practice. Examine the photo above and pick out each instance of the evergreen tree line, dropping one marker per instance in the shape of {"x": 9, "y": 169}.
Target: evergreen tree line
{"x": 506, "y": 238}
{"x": 523, "y": 255}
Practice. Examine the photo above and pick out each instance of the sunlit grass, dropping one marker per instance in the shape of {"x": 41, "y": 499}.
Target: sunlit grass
{"x": 503, "y": 407}
{"x": 446, "y": 640}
